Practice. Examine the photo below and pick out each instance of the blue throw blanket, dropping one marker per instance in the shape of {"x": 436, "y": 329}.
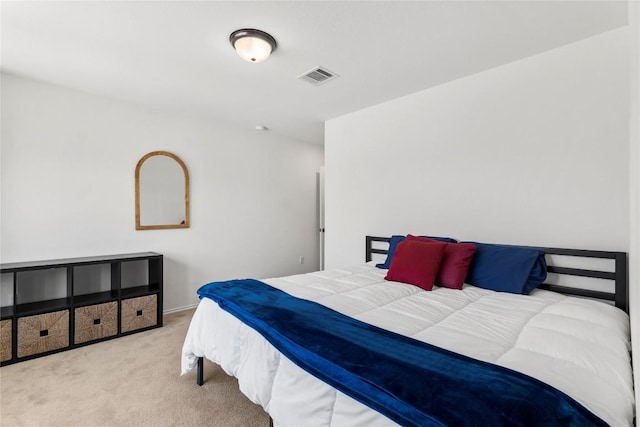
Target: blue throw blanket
{"x": 411, "y": 382}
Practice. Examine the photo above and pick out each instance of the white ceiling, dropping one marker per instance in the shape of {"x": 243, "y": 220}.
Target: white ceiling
{"x": 176, "y": 56}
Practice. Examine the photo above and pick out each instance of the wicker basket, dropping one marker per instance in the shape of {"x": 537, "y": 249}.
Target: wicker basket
{"x": 95, "y": 321}
{"x": 138, "y": 313}
{"x": 5, "y": 340}
{"x": 42, "y": 333}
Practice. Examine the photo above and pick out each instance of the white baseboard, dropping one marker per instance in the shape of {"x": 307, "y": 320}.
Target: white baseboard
{"x": 175, "y": 310}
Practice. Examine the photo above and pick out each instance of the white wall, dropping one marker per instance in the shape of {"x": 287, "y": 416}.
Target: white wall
{"x": 537, "y": 152}
{"x": 68, "y": 162}
{"x": 534, "y": 152}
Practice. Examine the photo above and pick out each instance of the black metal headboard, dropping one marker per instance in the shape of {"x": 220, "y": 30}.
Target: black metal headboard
{"x": 620, "y": 296}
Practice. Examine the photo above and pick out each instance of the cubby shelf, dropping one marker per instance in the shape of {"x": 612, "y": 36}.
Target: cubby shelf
{"x": 55, "y": 305}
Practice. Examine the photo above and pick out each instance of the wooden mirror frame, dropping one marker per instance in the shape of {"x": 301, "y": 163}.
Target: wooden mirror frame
{"x": 185, "y": 224}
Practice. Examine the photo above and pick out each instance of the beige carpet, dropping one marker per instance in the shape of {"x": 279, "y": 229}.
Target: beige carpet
{"x": 128, "y": 381}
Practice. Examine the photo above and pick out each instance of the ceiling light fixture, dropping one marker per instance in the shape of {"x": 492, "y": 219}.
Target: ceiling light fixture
{"x": 252, "y": 45}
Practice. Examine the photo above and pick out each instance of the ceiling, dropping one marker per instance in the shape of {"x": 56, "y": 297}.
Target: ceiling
{"x": 176, "y": 56}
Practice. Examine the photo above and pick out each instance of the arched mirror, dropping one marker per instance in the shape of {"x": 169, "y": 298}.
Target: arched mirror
{"x": 162, "y": 192}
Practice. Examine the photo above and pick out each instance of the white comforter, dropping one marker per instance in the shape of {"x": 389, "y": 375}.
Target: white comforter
{"x": 580, "y": 347}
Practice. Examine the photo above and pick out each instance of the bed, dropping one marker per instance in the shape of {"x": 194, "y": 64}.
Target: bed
{"x": 563, "y": 336}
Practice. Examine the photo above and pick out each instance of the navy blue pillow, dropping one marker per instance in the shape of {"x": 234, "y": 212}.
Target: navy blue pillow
{"x": 504, "y": 268}
{"x": 393, "y": 243}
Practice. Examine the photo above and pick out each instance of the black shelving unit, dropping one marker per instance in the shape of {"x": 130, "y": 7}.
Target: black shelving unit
{"x": 57, "y": 305}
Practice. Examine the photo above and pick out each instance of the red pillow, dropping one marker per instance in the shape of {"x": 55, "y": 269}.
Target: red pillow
{"x": 455, "y": 263}
{"x": 416, "y": 263}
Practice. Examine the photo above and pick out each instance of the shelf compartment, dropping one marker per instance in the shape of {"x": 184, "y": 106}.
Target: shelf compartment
{"x": 43, "y": 333}
{"x": 91, "y": 279}
{"x": 94, "y": 322}
{"x": 40, "y": 285}
{"x": 133, "y": 273}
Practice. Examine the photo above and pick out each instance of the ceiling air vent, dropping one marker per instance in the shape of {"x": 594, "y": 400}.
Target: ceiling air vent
{"x": 318, "y": 76}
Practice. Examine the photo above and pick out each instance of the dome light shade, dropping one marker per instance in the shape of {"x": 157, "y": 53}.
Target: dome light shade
{"x": 252, "y": 45}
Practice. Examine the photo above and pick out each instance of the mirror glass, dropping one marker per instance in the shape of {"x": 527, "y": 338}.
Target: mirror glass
{"x": 162, "y": 192}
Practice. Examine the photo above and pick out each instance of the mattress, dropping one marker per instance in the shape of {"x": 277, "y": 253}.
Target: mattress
{"x": 578, "y": 346}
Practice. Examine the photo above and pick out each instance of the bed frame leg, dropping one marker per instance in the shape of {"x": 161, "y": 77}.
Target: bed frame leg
{"x": 200, "y": 379}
